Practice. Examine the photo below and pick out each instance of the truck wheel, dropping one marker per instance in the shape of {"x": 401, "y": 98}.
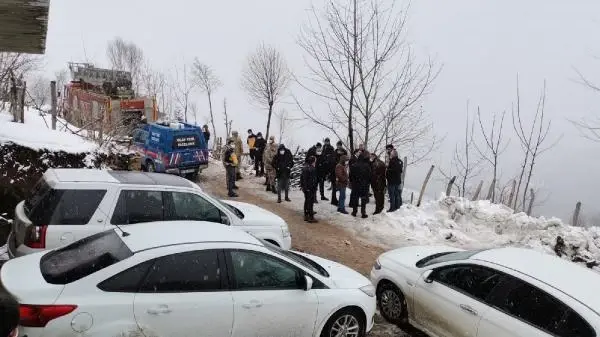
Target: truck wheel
{"x": 150, "y": 167}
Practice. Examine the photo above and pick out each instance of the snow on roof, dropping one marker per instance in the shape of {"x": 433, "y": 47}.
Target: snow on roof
{"x": 145, "y": 235}
{"x": 36, "y": 133}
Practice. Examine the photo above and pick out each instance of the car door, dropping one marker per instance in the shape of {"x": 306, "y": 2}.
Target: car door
{"x": 191, "y": 206}
{"x": 452, "y": 299}
{"x": 137, "y": 205}
{"x": 520, "y": 309}
{"x": 185, "y": 295}
{"x": 74, "y": 215}
{"x": 269, "y": 297}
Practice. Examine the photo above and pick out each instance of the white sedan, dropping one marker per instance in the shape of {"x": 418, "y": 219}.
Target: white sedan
{"x": 208, "y": 280}
{"x": 501, "y": 292}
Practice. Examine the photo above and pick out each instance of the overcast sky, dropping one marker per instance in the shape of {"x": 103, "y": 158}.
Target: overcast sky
{"x": 482, "y": 45}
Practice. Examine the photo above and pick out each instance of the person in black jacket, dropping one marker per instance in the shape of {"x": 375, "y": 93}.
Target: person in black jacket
{"x": 317, "y": 152}
{"x": 393, "y": 175}
{"x": 10, "y": 315}
{"x": 206, "y": 134}
{"x": 308, "y": 184}
{"x": 339, "y": 152}
{"x": 283, "y": 163}
{"x": 260, "y": 144}
{"x": 360, "y": 179}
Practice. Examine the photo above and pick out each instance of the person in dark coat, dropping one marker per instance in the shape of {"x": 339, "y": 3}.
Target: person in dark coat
{"x": 360, "y": 179}
{"x": 206, "y": 134}
{"x": 339, "y": 152}
{"x": 388, "y": 150}
{"x": 9, "y": 312}
{"x": 329, "y": 160}
{"x": 321, "y": 167}
{"x": 394, "y": 180}
{"x": 378, "y": 177}
{"x": 341, "y": 183}
{"x": 283, "y": 163}
{"x": 259, "y": 145}
{"x": 308, "y": 184}
{"x": 356, "y": 153}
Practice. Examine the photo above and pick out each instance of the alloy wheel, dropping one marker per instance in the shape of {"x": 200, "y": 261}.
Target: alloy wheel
{"x": 345, "y": 326}
{"x": 391, "y": 304}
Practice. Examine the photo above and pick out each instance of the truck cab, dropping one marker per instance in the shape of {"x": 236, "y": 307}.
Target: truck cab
{"x": 176, "y": 148}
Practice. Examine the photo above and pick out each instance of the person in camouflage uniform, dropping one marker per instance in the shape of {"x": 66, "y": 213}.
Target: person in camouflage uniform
{"x": 268, "y": 156}
{"x": 239, "y": 151}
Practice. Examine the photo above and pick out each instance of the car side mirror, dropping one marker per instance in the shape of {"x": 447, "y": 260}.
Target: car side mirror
{"x": 427, "y": 276}
{"x": 308, "y": 283}
{"x": 225, "y": 220}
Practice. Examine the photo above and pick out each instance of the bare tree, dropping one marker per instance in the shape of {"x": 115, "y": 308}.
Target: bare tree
{"x": 183, "y": 87}
{"x": 465, "y": 163}
{"x": 126, "y": 56}
{"x": 494, "y": 146}
{"x": 532, "y": 144}
{"x": 361, "y": 65}
{"x": 38, "y": 93}
{"x": 228, "y": 122}
{"x": 208, "y": 82}
{"x": 156, "y": 84}
{"x": 265, "y": 78}
{"x": 14, "y": 65}
{"x": 589, "y": 127}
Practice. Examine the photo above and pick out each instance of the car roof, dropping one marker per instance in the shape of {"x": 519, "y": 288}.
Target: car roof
{"x": 143, "y": 236}
{"x": 118, "y": 177}
{"x": 570, "y": 278}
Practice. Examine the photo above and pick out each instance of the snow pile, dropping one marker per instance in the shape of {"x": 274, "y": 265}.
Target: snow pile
{"x": 36, "y": 133}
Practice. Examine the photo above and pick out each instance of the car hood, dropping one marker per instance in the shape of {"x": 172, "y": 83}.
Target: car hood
{"x": 340, "y": 276}
{"x": 408, "y": 256}
{"x": 256, "y": 216}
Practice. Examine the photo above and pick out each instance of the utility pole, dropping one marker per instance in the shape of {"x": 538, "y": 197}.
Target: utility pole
{"x": 22, "y": 101}
{"x": 53, "y": 103}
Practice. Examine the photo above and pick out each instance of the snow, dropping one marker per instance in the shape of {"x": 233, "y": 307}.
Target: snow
{"x": 451, "y": 221}
{"x": 36, "y": 133}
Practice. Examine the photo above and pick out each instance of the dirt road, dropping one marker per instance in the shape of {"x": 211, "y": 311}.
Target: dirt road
{"x": 321, "y": 239}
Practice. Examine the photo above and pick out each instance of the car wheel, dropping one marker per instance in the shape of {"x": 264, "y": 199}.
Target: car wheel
{"x": 391, "y": 303}
{"x": 345, "y": 323}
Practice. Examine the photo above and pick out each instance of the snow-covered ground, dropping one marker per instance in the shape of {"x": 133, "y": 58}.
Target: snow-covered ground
{"x": 36, "y": 133}
{"x": 450, "y": 221}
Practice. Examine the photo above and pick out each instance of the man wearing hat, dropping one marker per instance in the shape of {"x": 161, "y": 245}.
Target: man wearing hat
{"x": 270, "y": 151}
{"x": 231, "y": 163}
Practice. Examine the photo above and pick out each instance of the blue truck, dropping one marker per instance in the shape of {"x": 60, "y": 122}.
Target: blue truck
{"x": 177, "y": 148}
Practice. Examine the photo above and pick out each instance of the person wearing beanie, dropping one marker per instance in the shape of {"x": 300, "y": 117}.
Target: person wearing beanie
{"x": 259, "y": 164}
{"x": 393, "y": 176}
{"x": 283, "y": 163}
{"x": 317, "y": 152}
{"x": 308, "y": 184}
{"x": 269, "y": 153}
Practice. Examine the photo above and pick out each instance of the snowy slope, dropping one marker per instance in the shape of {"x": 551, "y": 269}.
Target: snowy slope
{"x": 452, "y": 221}
{"x": 36, "y": 133}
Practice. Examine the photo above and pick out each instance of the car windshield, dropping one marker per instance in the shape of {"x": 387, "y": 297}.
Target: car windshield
{"x": 303, "y": 260}
{"x": 232, "y": 209}
{"x": 447, "y": 257}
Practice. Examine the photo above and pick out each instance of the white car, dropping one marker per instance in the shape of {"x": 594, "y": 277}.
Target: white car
{"x": 192, "y": 280}
{"x": 70, "y": 204}
{"x": 501, "y": 292}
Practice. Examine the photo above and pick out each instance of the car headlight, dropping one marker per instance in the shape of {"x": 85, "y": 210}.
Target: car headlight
{"x": 369, "y": 290}
{"x": 377, "y": 265}
{"x": 285, "y": 232}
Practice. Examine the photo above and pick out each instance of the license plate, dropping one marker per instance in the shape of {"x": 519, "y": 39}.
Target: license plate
{"x": 188, "y": 171}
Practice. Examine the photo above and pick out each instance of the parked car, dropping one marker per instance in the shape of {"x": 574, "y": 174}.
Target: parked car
{"x": 501, "y": 292}
{"x": 195, "y": 279}
{"x": 69, "y": 204}
{"x": 177, "y": 148}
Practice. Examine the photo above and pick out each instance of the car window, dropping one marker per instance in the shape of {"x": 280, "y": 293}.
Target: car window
{"x": 38, "y": 193}
{"x": 189, "y": 206}
{"x": 83, "y": 257}
{"x": 127, "y": 281}
{"x": 135, "y": 206}
{"x": 196, "y": 271}
{"x": 475, "y": 281}
{"x": 65, "y": 207}
{"x": 304, "y": 261}
{"x": 451, "y": 257}
{"x": 257, "y": 271}
{"x": 543, "y": 311}
{"x": 234, "y": 210}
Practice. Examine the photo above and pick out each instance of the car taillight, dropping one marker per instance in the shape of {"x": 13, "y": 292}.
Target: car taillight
{"x": 37, "y": 316}
{"x": 35, "y": 237}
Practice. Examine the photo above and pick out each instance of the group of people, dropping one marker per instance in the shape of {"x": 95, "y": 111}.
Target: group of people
{"x": 269, "y": 159}
{"x": 361, "y": 172}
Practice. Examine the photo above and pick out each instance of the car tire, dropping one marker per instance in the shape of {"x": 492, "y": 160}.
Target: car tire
{"x": 392, "y": 304}
{"x": 350, "y": 318}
